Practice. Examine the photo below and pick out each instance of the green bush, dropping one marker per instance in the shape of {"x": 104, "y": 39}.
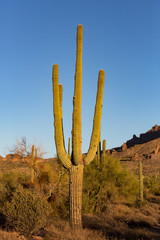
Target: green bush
{"x": 26, "y": 212}
{"x": 8, "y": 184}
{"x": 107, "y": 183}
{"x": 152, "y": 183}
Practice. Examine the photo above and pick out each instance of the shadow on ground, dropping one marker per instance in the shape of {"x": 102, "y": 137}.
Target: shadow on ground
{"x": 122, "y": 229}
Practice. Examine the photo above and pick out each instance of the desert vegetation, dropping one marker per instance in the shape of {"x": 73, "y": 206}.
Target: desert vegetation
{"x": 111, "y": 208}
{"x": 77, "y": 196}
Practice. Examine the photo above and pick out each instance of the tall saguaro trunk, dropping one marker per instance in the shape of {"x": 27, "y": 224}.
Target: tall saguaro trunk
{"x": 75, "y": 192}
{"x": 75, "y": 163}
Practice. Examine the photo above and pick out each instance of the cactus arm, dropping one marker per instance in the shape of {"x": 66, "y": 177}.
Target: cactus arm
{"x": 69, "y": 148}
{"x": 58, "y": 121}
{"x": 104, "y": 146}
{"x": 97, "y": 120}
{"x": 76, "y": 127}
{"x": 60, "y": 97}
{"x": 99, "y": 148}
{"x": 103, "y": 154}
{"x": 60, "y": 100}
{"x": 35, "y": 159}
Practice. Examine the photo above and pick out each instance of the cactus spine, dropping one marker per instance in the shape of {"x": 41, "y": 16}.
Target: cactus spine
{"x": 76, "y": 163}
{"x": 140, "y": 182}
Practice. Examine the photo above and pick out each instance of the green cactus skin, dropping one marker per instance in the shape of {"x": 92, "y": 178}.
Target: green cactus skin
{"x": 140, "y": 182}
{"x": 75, "y": 193}
{"x": 35, "y": 163}
{"x": 103, "y": 151}
{"x": 60, "y": 100}
{"x": 69, "y": 148}
{"x": 59, "y": 140}
{"x": 76, "y": 118}
{"x": 75, "y": 163}
{"x": 97, "y": 121}
{"x": 104, "y": 147}
{"x": 99, "y": 149}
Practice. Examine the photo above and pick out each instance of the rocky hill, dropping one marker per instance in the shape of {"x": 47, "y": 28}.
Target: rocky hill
{"x": 145, "y": 148}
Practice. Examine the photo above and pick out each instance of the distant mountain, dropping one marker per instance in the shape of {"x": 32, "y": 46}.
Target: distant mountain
{"x": 145, "y": 148}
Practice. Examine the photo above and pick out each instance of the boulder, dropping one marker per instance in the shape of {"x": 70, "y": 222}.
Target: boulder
{"x": 124, "y": 146}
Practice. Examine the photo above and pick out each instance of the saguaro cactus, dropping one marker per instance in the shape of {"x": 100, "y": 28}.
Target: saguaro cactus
{"x": 76, "y": 163}
{"x": 69, "y": 147}
{"x": 99, "y": 149}
{"x": 103, "y": 151}
{"x": 33, "y": 163}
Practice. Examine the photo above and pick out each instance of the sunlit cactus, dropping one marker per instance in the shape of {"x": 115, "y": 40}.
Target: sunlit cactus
{"x": 33, "y": 163}
{"x": 69, "y": 147}
{"x": 99, "y": 149}
{"x": 76, "y": 162}
{"x": 104, "y": 150}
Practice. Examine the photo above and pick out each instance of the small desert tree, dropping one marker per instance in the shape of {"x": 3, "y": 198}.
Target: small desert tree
{"x": 76, "y": 163}
{"x": 24, "y": 150}
{"x": 21, "y": 147}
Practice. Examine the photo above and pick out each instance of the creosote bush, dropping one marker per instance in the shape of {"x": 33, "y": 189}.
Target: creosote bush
{"x": 152, "y": 183}
{"x": 26, "y": 212}
{"x": 9, "y": 182}
{"x": 109, "y": 183}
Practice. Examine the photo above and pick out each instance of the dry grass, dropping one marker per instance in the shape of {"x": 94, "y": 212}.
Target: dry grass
{"x": 60, "y": 230}
{"x": 127, "y": 222}
{"x": 7, "y": 166}
{"x": 10, "y": 236}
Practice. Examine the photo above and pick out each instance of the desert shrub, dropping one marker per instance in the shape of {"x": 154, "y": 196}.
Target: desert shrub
{"x": 8, "y": 184}
{"x": 10, "y": 236}
{"x": 152, "y": 183}
{"x": 26, "y": 212}
{"x": 53, "y": 181}
{"x": 104, "y": 184}
{"x": 50, "y": 176}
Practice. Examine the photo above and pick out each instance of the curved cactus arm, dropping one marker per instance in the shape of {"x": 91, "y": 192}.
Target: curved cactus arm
{"x": 58, "y": 121}
{"x": 60, "y": 100}
{"x": 76, "y": 127}
{"x": 60, "y": 97}
{"x": 97, "y": 120}
{"x": 69, "y": 147}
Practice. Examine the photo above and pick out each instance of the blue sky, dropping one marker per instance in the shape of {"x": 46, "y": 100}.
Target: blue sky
{"x": 120, "y": 36}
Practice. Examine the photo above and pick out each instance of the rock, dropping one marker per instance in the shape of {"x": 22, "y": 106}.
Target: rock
{"x": 108, "y": 152}
{"x": 124, "y": 146}
{"x": 13, "y": 157}
{"x": 136, "y": 157}
{"x": 113, "y": 151}
{"x": 157, "y": 150}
